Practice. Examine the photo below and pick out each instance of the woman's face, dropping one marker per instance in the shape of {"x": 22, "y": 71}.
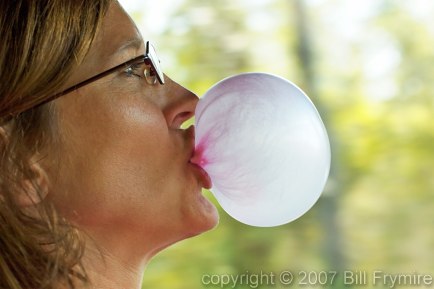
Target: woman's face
{"x": 124, "y": 171}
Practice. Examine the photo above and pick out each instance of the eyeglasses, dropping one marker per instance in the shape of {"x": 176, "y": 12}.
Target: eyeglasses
{"x": 152, "y": 73}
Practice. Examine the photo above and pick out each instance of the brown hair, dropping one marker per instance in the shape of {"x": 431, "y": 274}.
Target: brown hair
{"x": 42, "y": 42}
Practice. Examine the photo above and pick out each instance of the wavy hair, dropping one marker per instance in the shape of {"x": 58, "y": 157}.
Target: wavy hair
{"x": 41, "y": 43}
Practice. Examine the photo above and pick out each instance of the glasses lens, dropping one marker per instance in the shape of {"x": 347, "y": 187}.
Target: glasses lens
{"x": 155, "y": 63}
{"x": 150, "y": 76}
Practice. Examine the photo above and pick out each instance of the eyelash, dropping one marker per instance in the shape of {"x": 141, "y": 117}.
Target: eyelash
{"x": 140, "y": 71}
{"x": 133, "y": 70}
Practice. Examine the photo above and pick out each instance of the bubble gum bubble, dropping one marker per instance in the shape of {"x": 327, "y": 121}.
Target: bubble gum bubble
{"x": 265, "y": 147}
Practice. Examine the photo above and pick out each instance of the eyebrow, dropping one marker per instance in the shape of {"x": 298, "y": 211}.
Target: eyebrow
{"x": 135, "y": 43}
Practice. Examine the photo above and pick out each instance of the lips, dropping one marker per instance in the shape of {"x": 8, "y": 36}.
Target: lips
{"x": 201, "y": 174}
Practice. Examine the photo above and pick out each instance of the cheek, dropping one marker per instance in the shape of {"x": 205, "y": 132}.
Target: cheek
{"x": 118, "y": 165}
{"x": 122, "y": 166}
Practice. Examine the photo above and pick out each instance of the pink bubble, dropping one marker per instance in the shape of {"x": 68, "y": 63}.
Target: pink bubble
{"x": 265, "y": 147}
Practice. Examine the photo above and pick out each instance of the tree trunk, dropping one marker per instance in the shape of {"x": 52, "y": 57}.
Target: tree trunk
{"x": 328, "y": 204}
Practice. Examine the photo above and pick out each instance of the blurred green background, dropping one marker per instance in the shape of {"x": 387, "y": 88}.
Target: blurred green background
{"x": 369, "y": 68}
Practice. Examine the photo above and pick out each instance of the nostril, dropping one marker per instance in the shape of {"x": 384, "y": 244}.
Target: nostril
{"x": 183, "y": 119}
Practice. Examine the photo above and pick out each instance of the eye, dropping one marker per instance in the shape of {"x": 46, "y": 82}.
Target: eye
{"x": 141, "y": 70}
{"x": 134, "y": 69}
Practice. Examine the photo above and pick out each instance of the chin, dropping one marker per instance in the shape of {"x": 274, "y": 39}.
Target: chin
{"x": 204, "y": 218}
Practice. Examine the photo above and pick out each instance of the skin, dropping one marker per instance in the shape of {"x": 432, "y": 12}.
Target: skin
{"x": 123, "y": 174}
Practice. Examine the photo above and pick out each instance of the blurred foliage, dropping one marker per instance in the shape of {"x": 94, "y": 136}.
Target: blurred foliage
{"x": 369, "y": 68}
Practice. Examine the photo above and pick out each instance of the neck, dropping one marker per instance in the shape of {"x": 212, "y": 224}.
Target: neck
{"x": 107, "y": 269}
{"x": 118, "y": 260}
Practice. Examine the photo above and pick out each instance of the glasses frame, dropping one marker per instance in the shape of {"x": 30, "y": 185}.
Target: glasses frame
{"x": 149, "y": 58}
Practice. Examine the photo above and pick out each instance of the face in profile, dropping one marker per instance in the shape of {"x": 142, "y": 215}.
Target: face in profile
{"x": 123, "y": 173}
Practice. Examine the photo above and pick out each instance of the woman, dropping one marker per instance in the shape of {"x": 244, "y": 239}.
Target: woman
{"x": 95, "y": 177}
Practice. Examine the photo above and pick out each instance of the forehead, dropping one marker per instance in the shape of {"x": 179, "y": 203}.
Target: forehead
{"x": 110, "y": 46}
{"x": 117, "y": 33}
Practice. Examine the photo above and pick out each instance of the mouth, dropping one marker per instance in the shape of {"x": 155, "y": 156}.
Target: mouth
{"x": 201, "y": 174}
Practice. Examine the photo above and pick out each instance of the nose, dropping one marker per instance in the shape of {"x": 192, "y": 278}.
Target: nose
{"x": 181, "y": 104}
